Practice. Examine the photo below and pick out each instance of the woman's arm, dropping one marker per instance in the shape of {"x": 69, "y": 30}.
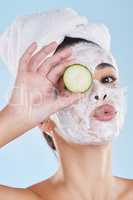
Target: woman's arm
{"x": 12, "y": 125}
{"x": 33, "y": 99}
{"x": 10, "y": 193}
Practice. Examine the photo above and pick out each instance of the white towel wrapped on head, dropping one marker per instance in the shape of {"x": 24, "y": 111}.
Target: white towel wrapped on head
{"x": 46, "y": 27}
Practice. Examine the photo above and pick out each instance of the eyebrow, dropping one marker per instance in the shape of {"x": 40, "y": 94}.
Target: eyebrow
{"x": 104, "y": 65}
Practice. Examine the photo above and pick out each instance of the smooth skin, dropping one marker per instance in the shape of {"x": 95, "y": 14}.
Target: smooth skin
{"x": 85, "y": 170}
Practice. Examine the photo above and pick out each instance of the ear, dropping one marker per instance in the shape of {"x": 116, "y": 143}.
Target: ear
{"x": 47, "y": 126}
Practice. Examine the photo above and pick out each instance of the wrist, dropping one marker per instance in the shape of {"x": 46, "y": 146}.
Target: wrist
{"x": 11, "y": 125}
{"x": 17, "y": 117}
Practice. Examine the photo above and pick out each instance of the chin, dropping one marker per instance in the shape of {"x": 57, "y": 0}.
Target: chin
{"x": 104, "y": 131}
{"x": 100, "y": 144}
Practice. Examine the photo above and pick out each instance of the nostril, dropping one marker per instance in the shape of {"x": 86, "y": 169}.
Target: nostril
{"x": 96, "y": 97}
{"x": 104, "y": 96}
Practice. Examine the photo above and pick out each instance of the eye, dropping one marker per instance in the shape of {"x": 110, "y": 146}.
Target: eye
{"x": 108, "y": 79}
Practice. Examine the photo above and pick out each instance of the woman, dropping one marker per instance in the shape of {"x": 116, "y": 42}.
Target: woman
{"x": 85, "y": 170}
{"x": 81, "y": 132}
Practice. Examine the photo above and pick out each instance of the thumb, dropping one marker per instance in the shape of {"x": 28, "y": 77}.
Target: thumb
{"x": 67, "y": 99}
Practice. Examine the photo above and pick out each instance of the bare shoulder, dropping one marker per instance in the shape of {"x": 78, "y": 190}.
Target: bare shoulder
{"x": 44, "y": 189}
{"x": 128, "y": 183}
{"x": 124, "y": 188}
{"x": 8, "y": 193}
{"x": 51, "y": 188}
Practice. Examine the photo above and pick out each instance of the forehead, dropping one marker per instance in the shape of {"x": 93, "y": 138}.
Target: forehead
{"x": 92, "y": 56}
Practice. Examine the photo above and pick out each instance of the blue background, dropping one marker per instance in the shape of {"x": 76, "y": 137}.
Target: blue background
{"x": 28, "y": 159}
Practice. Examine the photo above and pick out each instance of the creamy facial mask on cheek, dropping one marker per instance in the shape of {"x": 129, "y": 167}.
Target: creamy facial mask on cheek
{"x": 75, "y": 123}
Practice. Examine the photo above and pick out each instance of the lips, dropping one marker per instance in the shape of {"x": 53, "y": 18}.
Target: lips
{"x": 105, "y": 112}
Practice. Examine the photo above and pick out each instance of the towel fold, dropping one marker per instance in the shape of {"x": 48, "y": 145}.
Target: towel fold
{"x": 46, "y": 27}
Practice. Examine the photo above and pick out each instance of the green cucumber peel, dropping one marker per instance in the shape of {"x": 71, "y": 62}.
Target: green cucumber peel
{"x": 77, "y": 69}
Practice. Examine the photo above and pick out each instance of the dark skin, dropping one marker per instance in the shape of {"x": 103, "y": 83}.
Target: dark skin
{"x": 70, "y": 181}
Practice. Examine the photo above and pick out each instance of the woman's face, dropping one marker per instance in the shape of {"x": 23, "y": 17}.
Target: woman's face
{"x": 97, "y": 117}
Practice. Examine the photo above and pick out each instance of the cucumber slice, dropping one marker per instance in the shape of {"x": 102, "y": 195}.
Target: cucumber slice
{"x": 77, "y": 78}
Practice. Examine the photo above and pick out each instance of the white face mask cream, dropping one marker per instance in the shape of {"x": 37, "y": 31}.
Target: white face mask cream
{"x": 98, "y": 117}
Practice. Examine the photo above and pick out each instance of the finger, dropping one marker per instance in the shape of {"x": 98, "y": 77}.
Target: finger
{"x": 67, "y": 100}
{"x": 52, "y": 61}
{"x": 24, "y": 60}
{"x": 60, "y": 85}
{"x": 58, "y": 71}
{"x": 41, "y": 55}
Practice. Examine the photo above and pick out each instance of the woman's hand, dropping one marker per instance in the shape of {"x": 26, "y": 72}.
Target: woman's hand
{"x": 36, "y": 95}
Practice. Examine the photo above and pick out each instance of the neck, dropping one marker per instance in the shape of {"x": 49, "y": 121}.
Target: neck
{"x": 88, "y": 169}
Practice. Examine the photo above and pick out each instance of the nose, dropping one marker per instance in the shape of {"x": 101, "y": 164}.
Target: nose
{"x": 98, "y": 98}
